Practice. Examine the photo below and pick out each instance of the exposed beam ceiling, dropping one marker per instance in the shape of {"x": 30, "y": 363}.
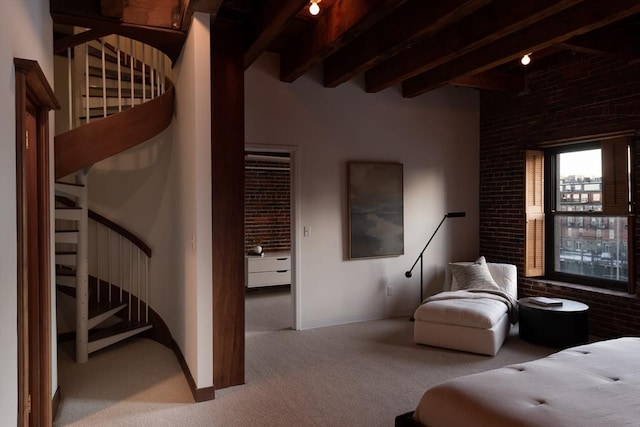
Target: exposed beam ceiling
{"x": 335, "y": 27}
{"x": 585, "y": 17}
{"x": 407, "y": 25}
{"x": 420, "y": 44}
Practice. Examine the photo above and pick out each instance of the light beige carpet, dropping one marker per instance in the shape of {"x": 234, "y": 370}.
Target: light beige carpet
{"x": 361, "y": 374}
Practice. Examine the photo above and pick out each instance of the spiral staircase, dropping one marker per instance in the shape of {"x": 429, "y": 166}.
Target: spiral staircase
{"x": 119, "y": 94}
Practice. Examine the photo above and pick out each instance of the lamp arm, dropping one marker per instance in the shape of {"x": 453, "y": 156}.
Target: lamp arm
{"x": 408, "y": 273}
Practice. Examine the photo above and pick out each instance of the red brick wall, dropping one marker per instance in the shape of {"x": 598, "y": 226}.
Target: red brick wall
{"x": 267, "y": 205}
{"x": 576, "y": 96}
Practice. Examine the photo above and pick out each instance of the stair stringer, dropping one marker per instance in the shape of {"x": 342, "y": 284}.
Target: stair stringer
{"x": 112, "y": 135}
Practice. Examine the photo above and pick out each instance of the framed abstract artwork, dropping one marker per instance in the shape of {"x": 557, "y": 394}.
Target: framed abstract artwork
{"x": 376, "y": 212}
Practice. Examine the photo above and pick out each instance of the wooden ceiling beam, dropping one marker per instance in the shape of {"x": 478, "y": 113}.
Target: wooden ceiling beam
{"x": 492, "y": 80}
{"x": 144, "y": 13}
{"x": 276, "y": 15}
{"x": 407, "y": 25}
{"x": 152, "y": 13}
{"x": 611, "y": 42}
{"x": 479, "y": 29}
{"x": 112, "y": 8}
{"x": 189, "y": 7}
{"x": 585, "y": 17}
{"x": 336, "y": 26}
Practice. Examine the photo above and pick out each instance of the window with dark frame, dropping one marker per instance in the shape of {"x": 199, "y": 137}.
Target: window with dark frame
{"x": 586, "y": 208}
{"x": 580, "y": 239}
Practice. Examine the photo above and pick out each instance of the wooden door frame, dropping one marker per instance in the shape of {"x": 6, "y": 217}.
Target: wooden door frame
{"x": 33, "y": 92}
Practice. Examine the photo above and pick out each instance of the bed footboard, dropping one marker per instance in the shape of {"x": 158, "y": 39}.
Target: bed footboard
{"x": 406, "y": 420}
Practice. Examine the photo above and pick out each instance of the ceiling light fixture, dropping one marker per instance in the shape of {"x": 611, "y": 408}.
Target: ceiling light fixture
{"x": 314, "y": 9}
{"x": 526, "y": 59}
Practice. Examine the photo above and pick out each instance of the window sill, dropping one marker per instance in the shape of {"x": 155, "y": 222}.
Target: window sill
{"x": 586, "y": 288}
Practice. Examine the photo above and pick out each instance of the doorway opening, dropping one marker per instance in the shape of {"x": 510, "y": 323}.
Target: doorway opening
{"x": 270, "y": 239}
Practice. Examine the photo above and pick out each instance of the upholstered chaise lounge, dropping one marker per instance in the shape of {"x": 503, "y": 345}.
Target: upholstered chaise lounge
{"x": 476, "y": 314}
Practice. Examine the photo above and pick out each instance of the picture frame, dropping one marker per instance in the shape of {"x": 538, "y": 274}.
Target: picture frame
{"x": 376, "y": 209}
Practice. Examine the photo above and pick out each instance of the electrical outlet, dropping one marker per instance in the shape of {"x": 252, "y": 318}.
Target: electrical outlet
{"x": 389, "y": 291}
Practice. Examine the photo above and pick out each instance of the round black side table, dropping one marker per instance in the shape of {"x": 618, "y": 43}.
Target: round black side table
{"x": 562, "y": 326}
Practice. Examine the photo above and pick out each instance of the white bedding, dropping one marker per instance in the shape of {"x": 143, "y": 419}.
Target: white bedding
{"x": 591, "y": 385}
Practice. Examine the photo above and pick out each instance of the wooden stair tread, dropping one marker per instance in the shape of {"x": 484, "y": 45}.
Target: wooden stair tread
{"x": 125, "y": 76}
{"x": 64, "y": 271}
{"x": 119, "y": 328}
{"x": 67, "y": 290}
{"x": 97, "y": 309}
{"x": 69, "y": 183}
{"x": 112, "y": 92}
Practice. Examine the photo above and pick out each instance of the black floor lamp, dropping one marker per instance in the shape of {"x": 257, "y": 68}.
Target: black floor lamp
{"x": 408, "y": 273}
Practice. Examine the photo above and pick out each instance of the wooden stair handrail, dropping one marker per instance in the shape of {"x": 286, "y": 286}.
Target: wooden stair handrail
{"x": 117, "y": 228}
{"x": 60, "y": 46}
{"x": 95, "y": 141}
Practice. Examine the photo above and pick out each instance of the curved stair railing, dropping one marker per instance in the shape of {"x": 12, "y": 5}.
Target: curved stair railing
{"x": 118, "y": 275}
{"x": 119, "y": 95}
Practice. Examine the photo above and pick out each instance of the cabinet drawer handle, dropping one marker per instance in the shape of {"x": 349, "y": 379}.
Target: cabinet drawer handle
{"x": 281, "y": 259}
{"x": 281, "y": 271}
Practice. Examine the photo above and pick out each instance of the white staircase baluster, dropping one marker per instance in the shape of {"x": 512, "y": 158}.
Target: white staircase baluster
{"x": 82, "y": 276}
{"x": 109, "y": 261}
{"x": 151, "y": 68}
{"x": 138, "y": 284}
{"x": 119, "y": 74}
{"x": 87, "y": 86}
{"x": 131, "y": 61}
{"x": 104, "y": 81}
{"x": 146, "y": 286}
{"x": 162, "y": 76}
{"x": 70, "y": 83}
{"x": 144, "y": 78}
{"x": 120, "y": 265}
{"x": 130, "y": 276}
{"x": 98, "y": 259}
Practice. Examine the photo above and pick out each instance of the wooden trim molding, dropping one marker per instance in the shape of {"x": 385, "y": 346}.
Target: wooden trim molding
{"x": 55, "y": 403}
{"x": 199, "y": 394}
{"x": 34, "y": 99}
{"x": 37, "y": 87}
{"x": 586, "y": 138}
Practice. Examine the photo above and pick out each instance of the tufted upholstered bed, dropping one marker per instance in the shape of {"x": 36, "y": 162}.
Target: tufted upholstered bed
{"x": 596, "y": 384}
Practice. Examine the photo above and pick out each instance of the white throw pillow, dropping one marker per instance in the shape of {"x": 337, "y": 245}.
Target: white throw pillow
{"x": 473, "y": 275}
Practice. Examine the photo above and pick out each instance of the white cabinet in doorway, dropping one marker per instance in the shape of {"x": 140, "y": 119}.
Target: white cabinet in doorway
{"x": 274, "y": 268}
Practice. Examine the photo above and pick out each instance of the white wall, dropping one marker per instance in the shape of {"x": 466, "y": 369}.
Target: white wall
{"x": 25, "y": 32}
{"x": 435, "y": 136}
{"x": 161, "y": 191}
